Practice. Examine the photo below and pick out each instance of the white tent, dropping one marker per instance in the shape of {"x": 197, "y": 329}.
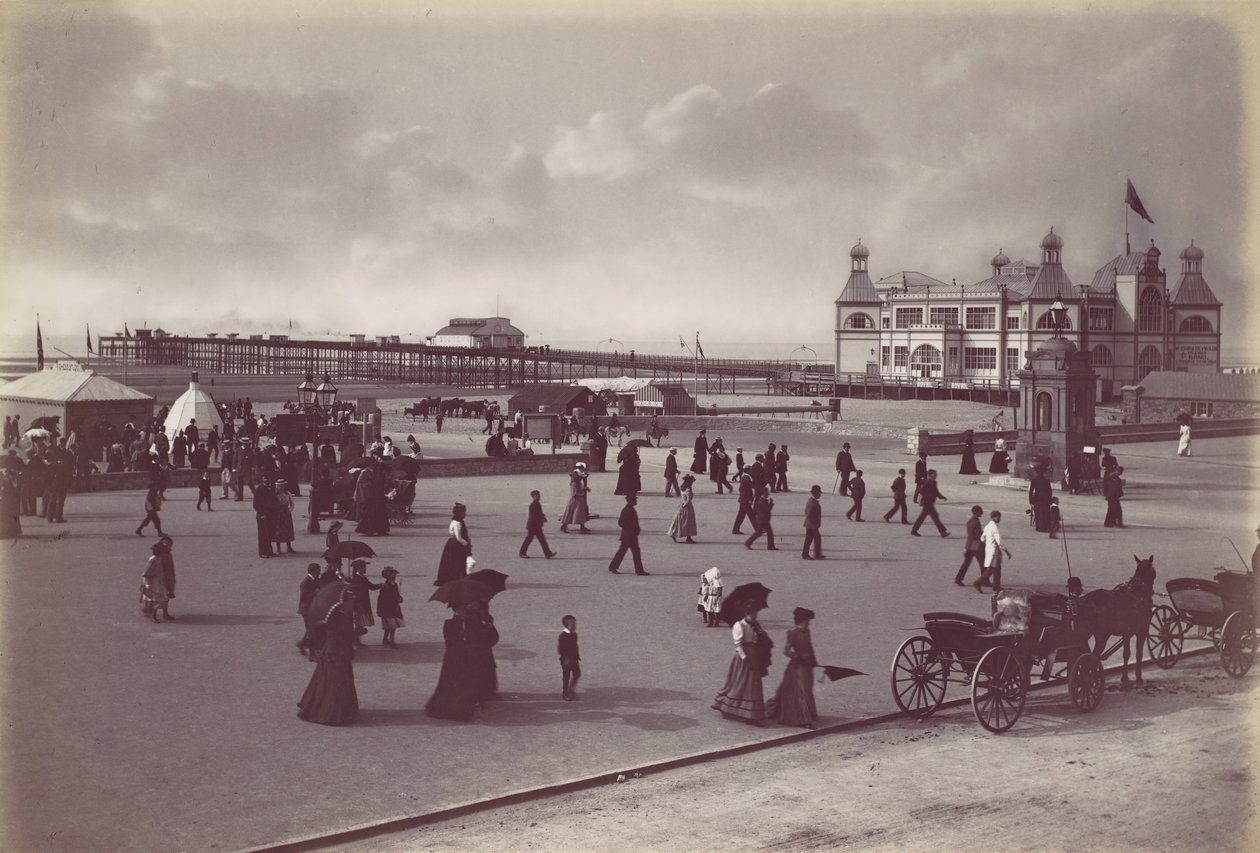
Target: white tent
{"x": 193, "y": 403}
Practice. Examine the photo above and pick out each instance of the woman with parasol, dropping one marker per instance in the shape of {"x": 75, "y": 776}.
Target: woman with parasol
{"x": 793, "y": 704}
{"x": 455, "y": 697}
{"x": 330, "y": 698}
{"x": 458, "y": 548}
{"x": 684, "y": 523}
{"x": 741, "y": 696}
{"x": 576, "y": 512}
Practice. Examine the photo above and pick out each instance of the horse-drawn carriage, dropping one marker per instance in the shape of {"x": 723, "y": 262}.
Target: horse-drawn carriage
{"x": 994, "y": 658}
{"x": 400, "y": 490}
{"x": 1221, "y": 611}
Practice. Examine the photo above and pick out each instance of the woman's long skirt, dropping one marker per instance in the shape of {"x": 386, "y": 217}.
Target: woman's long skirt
{"x": 684, "y": 523}
{"x": 454, "y": 562}
{"x": 793, "y": 703}
{"x": 455, "y": 697}
{"x": 330, "y": 698}
{"x": 575, "y": 512}
{"x": 968, "y": 465}
{"x": 741, "y": 696}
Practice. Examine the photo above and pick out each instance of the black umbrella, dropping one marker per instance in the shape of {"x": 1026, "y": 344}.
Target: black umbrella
{"x": 408, "y": 466}
{"x": 638, "y": 442}
{"x": 352, "y": 548}
{"x": 1184, "y": 419}
{"x": 495, "y": 581}
{"x": 48, "y": 422}
{"x": 732, "y": 609}
{"x": 835, "y": 673}
{"x": 626, "y": 452}
{"x": 325, "y": 598}
{"x": 462, "y": 591}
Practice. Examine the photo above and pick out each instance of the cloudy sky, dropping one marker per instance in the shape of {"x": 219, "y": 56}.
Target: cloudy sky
{"x": 639, "y": 175}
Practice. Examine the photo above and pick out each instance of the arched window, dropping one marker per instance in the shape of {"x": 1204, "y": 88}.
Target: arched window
{"x": 1044, "y": 411}
{"x": 1100, "y": 356}
{"x": 1196, "y": 323}
{"x": 1148, "y": 360}
{"x": 1150, "y": 310}
{"x": 925, "y": 354}
{"x": 1046, "y": 321}
{"x": 859, "y": 321}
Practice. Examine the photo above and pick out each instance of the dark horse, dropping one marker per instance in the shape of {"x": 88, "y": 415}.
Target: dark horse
{"x": 1123, "y": 612}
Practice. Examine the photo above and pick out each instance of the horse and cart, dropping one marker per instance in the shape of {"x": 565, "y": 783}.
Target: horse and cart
{"x": 1031, "y": 628}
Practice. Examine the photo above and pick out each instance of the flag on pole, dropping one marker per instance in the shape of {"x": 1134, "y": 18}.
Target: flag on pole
{"x": 1132, "y": 200}
{"x": 39, "y": 345}
{"x": 699, "y": 349}
{"x": 681, "y": 342}
{"x": 89, "y": 337}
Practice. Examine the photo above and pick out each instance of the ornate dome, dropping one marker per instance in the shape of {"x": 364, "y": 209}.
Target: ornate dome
{"x": 1000, "y": 259}
{"x": 1153, "y": 253}
{"x": 1052, "y": 241}
{"x": 1192, "y": 253}
{"x": 859, "y": 251}
{"x": 1059, "y": 346}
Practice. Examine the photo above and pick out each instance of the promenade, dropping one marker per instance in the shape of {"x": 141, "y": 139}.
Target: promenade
{"x": 123, "y": 734}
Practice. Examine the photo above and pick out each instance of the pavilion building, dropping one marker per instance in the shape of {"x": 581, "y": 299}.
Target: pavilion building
{"x": 912, "y": 326}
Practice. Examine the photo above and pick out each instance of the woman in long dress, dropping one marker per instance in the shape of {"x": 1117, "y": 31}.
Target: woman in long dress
{"x": 1183, "y": 441}
{"x": 482, "y": 636}
{"x": 700, "y": 454}
{"x": 454, "y": 698}
{"x": 374, "y": 519}
{"x": 793, "y": 703}
{"x": 710, "y": 596}
{"x": 741, "y": 696}
{"x": 458, "y": 548}
{"x": 968, "y": 465}
{"x": 575, "y": 511}
{"x": 156, "y": 593}
{"x": 684, "y": 523}
{"x": 282, "y": 523}
{"x": 1000, "y": 463}
{"x": 628, "y": 481}
{"x": 330, "y": 698}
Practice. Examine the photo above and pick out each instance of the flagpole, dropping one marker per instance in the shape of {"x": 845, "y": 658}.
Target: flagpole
{"x": 695, "y": 375}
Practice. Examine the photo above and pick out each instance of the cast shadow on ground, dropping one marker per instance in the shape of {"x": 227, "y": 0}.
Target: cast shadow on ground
{"x": 515, "y": 585}
{"x": 227, "y": 619}
{"x": 408, "y": 653}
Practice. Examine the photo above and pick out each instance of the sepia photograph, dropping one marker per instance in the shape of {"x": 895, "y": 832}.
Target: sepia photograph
{"x": 558, "y": 354}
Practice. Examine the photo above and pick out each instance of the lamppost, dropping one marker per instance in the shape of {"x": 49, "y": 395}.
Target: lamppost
{"x": 316, "y": 402}
{"x": 1058, "y": 313}
{"x": 792, "y": 354}
{"x": 610, "y": 341}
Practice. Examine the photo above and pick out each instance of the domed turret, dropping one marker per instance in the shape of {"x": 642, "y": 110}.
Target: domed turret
{"x": 859, "y": 251}
{"x": 1052, "y": 241}
{"x": 1192, "y": 253}
{"x": 1051, "y": 247}
{"x": 1000, "y": 259}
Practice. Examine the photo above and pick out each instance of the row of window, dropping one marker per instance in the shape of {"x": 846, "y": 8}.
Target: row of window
{"x": 985, "y": 358}
{"x": 1100, "y": 320}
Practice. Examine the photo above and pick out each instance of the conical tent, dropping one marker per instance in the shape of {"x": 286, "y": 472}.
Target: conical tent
{"x": 193, "y": 403}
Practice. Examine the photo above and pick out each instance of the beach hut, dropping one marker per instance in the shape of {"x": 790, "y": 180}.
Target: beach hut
{"x": 561, "y": 399}
{"x": 193, "y": 403}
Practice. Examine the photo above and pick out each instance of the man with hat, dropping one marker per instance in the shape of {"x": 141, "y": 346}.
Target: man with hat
{"x": 845, "y": 467}
{"x": 813, "y": 525}
{"x": 739, "y": 462}
{"x": 747, "y": 495}
{"x": 265, "y": 508}
{"x": 306, "y": 592}
{"x": 629, "y": 524}
{"x": 671, "y": 473}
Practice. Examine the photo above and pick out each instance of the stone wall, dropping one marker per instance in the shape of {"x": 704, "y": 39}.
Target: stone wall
{"x": 1140, "y": 408}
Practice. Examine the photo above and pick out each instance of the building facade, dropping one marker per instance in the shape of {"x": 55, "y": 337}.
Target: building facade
{"x": 911, "y": 326}
{"x": 479, "y": 333}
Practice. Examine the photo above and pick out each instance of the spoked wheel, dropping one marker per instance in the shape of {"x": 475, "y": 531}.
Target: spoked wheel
{"x": 1086, "y": 682}
{"x": 919, "y": 677}
{"x": 998, "y": 689}
{"x": 1238, "y": 644}
{"x": 1167, "y": 634}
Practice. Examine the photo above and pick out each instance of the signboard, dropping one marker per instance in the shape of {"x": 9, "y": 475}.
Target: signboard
{"x": 1186, "y": 355}
{"x": 541, "y": 428}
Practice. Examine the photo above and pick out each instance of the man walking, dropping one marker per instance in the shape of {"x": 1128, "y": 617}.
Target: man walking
{"x": 534, "y": 527}
{"x": 762, "y": 509}
{"x": 993, "y": 551}
{"x": 746, "y": 500}
{"x": 920, "y": 474}
{"x": 929, "y": 494}
{"x": 628, "y": 521}
{"x": 845, "y": 467}
{"x": 857, "y": 491}
{"x": 780, "y": 469}
{"x": 265, "y": 508}
{"x": 671, "y": 473}
{"x": 974, "y": 549}
{"x": 899, "y": 497}
{"x": 1113, "y": 490}
{"x": 152, "y": 506}
{"x": 813, "y": 525}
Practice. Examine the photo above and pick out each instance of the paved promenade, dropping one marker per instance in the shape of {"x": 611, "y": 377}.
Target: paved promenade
{"x": 123, "y": 734}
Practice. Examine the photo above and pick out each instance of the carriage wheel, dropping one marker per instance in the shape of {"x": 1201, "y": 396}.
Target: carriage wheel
{"x": 1086, "y": 682}
{"x": 1167, "y": 634}
{"x": 919, "y": 677}
{"x": 1238, "y": 644}
{"x": 998, "y": 689}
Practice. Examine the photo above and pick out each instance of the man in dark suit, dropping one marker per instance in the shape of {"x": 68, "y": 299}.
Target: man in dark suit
{"x": 845, "y": 467}
{"x": 757, "y": 471}
{"x": 780, "y": 469}
{"x": 813, "y": 525}
{"x": 265, "y": 508}
{"x": 974, "y": 549}
{"x": 899, "y": 497}
{"x": 747, "y": 495}
{"x": 928, "y": 496}
{"x": 671, "y": 473}
{"x": 857, "y": 491}
{"x": 628, "y": 521}
{"x": 920, "y": 474}
{"x": 739, "y": 462}
{"x": 534, "y": 527}
{"x": 762, "y": 510}
{"x": 306, "y": 593}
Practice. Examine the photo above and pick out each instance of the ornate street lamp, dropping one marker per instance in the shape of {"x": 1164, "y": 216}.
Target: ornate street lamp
{"x": 306, "y": 391}
{"x": 1058, "y": 313}
{"x": 326, "y": 393}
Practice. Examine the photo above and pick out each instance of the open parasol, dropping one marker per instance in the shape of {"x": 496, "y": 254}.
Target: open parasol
{"x": 351, "y": 548}
{"x": 37, "y": 432}
{"x": 325, "y": 598}
{"x": 462, "y": 591}
{"x": 732, "y": 609}
{"x": 835, "y": 673}
{"x": 495, "y": 581}
{"x": 48, "y": 422}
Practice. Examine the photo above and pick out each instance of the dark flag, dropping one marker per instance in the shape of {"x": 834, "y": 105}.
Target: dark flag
{"x": 89, "y": 337}
{"x": 126, "y": 331}
{"x": 699, "y": 349}
{"x": 681, "y": 342}
{"x": 1132, "y": 200}
{"x": 39, "y": 345}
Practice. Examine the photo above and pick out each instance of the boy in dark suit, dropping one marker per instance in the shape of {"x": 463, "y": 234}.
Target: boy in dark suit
{"x": 857, "y": 491}
{"x": 899, "y": 497}
{"x": 628, "y": 521}
{"x": 534, "y": 527}
{"x": 570, "y": 666}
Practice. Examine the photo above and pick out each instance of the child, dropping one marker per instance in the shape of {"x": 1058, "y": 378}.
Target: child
{"x": 225, "y": 477}
{"x": 1055, "y": 520}
{"x": 567, "y": 647}
{"x": 203, "y": 491}
{"x": 389, "y": 606}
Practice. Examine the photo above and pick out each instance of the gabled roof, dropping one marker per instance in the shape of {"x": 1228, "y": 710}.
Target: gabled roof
{"x": 616, "y": 384}
{"x": 911, "y": 279}
{"x": 859, "y": 289}
{"x": 480, "y": 326}
{"x": 1191, "y": 289}
{"x": 1052, "y": 281}
{"x": 1225, "y": 387}
{"x": 1017, "y": 286}
{"x": 1105, "y": 278}
{"x": 558, "y": 397}
{"x": 65, "y": 386}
